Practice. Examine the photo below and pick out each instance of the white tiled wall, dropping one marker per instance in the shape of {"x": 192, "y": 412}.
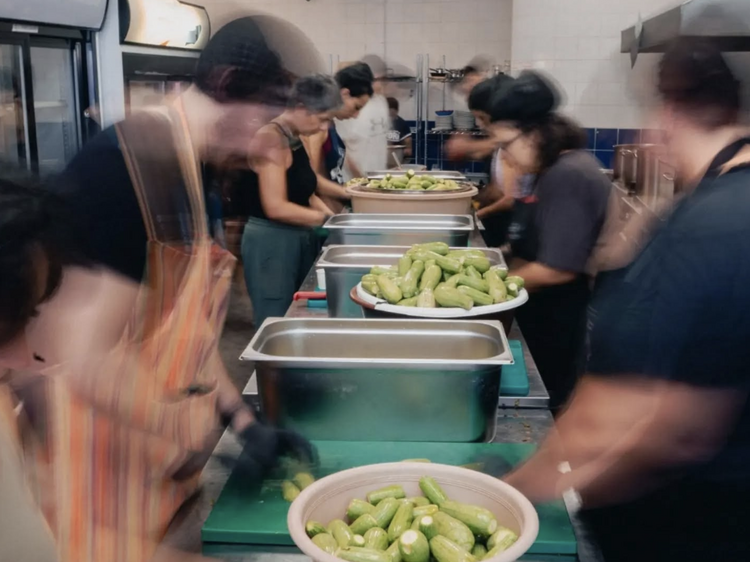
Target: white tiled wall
{"x": 397, "y": 30}
{"x": 578, "y": 42}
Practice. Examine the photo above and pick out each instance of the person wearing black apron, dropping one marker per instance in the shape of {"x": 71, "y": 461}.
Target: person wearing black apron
{"x": 553, "y": 229}
{"x": 658, "y": 432}
{"x": 279, "y": 244}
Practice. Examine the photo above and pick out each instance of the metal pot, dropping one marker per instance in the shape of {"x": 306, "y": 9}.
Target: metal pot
{"x": 626, "y": 163}
{"x": 656, "y": 176}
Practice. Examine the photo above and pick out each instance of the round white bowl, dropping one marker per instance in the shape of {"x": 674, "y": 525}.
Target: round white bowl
{"x": 329, "y": 497}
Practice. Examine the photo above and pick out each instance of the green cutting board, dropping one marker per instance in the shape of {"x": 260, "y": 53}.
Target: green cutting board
{"x": 243, "y": 517}
{"x": 515, "y": 378}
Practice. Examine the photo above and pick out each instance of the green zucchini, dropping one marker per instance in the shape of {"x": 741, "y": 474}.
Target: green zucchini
{"x": 358, "y": 540}
{"x": 479, "y": 551}
{"x": 413, "y": 301}
{"x": 401, "y": 521}
{"x": 384, "y": 511}
{"x": 428, "y": 527}
{"x": 341, "y": 532}
{"x": 431, "y": 277}
{"x": 429, "y": 263}
{"x": 326, "y": 543}
{"x": 370, "y": 278}
{"x": 447, "y": 276}
{"x": 513, "y": 289}
{"x": 411, "y": 279}
{"x": 414, "y": 547}
{"x": 357, "y": 508}
{"x": 480, "y": 264}
{"x": 501, "y": 539}
{"x": 517, "y": 280}
{"x": 313, "y": 528}
{"x": 289, "y": 490}
{"x": 426, "y": 299}
{"x": 404, "y": 265}
{"x": 303, "y": 480}
{"x": 479, "y": 298}
{"x": 394, "y": 552}
{"x": 449, "y": 297}
{"x": 501, "y": 270}
{"x": 458, "y": 254}
{"x": 356, "y": 554}
{"x": 363, "y": 524}
{"x": 432, "y": 490}
{"x": 472, "y": 272}
{"x": 453, "y": 529}
{"x": 415, "y": 524}
{"x": 390, "y": 289}
{"x": 445, "y": 550}
{"x": 446, "y": 264}
{"x": 372, "y": 288}
{"x": 376, "y": 538}
{"x": 481, "y": 521}
{"x": 394, "y": 491}
{"x": 418, "y": 501}
{"x": 478, "y": 284}
{"x": 423, "y": 510}
{"x": 496, "y": 288}
{"x": 453, "y": 280}
{"x": 440, "y": 248}
{"x": 378, "y": 271}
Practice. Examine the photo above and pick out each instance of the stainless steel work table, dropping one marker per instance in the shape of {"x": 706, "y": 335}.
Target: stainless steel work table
{"x": 519, "y": 421}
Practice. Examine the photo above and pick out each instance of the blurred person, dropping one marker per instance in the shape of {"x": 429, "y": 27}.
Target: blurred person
{"x": 476, "y": 71}
{"x": 130, "y": 410}
{"x": 555, "y": 228}
{"x": 496, "y": 199}
{"x": 279, "y": 244}
{"x": 366, "y": 136}
{"x": 400, "y": 130}
{"x": 326, "y": 149}
{"x": 658, "y": 431}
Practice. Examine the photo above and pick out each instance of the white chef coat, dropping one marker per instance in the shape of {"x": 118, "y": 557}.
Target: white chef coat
{"x": 366, "y": 137}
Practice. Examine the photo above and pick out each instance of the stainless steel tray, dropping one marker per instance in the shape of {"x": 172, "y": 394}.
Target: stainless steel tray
{"x": 380, "y": 174}
{"x": 381, "y": 380}
{"x": 399, "y": 230}
{"x": 344, "y": 267}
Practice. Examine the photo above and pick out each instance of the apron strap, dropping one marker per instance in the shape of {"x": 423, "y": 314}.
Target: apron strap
{"x": 159, "y": 156}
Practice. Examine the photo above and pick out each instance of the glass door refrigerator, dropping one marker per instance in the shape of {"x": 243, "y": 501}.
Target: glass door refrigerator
{"x": 44, "y": 95}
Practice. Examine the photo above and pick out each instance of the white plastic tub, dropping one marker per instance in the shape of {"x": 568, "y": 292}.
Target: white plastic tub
{"x": 328, "y": 499}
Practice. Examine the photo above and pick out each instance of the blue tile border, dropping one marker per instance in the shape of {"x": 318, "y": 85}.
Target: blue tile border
{"x": 606, "y": 139}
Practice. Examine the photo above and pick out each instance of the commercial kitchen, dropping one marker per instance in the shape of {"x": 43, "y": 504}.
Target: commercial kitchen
{"x": 371, "y": 381}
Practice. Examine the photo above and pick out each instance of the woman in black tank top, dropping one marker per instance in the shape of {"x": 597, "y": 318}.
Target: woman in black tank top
{"x": 279, "y": 245}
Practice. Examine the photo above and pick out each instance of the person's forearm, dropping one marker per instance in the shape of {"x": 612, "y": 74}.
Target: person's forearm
{"x": 353, "y": 168}
{"x": 297, "y": 215}
{"x": 318, "y": 204}
{"x": 330, "y": 188}
{"x": 409, "y": 150}
{"x": 537, "y": 276}
{"x": 503, "y": 204}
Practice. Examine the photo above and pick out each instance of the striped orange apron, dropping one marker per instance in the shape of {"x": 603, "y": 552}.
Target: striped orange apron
{"x": 105, "y": 449}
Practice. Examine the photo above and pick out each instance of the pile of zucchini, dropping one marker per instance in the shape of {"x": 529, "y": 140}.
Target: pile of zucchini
{"x": 432, "y": 275}
{"x": 410, "y": 181}
{"x": 389, "y": 527}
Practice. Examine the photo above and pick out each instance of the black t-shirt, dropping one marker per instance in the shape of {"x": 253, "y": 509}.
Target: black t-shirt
{"x": 681, "y": 311}
{"x": 399, "y": 129}
{"x": 110, "y": 225}
{"x": 572, "y": 198}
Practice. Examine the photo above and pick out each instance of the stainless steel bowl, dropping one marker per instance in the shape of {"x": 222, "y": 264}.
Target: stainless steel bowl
{"x": 381, "y": 380}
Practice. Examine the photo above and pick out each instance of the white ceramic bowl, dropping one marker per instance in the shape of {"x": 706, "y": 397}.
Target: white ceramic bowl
{"x": 329, "y": 497}
{"x": 383, "y": 306}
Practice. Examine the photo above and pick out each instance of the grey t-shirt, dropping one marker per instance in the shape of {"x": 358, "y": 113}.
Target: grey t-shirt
{"x": 572, "y": 204}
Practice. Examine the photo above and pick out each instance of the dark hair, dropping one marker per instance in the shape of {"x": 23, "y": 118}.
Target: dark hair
{"x": 480, "y": 98}
{"x": 238, "y": 65}
{"x": 357, "y": 78}
{"x": 393, "y": 104}
{"x": 31, "y": 219}
{"x": 695, "y": 77}
{"x": 556, "y": 134}
{"x": 317, "y": 93}
{"x": 527, "y": 99}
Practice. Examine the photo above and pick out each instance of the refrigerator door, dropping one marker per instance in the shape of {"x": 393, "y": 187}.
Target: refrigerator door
{"x": 15, "y": 145}
{"x": 55, "y": 105}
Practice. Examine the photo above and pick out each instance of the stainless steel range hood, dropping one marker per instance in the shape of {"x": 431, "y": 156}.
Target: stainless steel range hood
{"x": 726, "y": 21}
